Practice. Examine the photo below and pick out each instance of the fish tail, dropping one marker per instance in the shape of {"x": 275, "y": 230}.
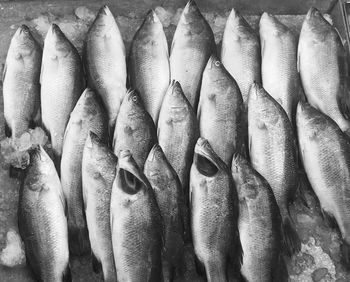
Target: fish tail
{"x": 280, "y": 273}
{"x": 96, "y": 264}
{"x": 79, "y": 243}
{"x": 291, "y": 238}
{"x": 67, "y": 276}
{"x": 345, "y": 252}
{"x": 8, "y": 131}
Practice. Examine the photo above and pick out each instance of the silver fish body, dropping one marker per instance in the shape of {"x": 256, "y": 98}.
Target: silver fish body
{"x": 240, "y": 52}
{"x": 87, "y": 115}
{"x": 105, "y": 63}
{"x": 279, "y": 71}
{"x": 260, "y": 224}
{"x": 21, "y": 87}
{"x": 170, "y": 198}
{"x": 220, "y": 110}
{"x": 273, "y": 154}
{"x": 322, "y": 67}
{"x": 98, "y": 173}
{"x": 325, "y": 152}
{"x": 62, "y": 83}
{"x": 149, "y": 69}
{"x": 214, "y": 213}
{"x": 192, "y": 45}
{"x": 135, "y": 130}
{"x": 136, "y": 224}
{"x": 41, "y": 220}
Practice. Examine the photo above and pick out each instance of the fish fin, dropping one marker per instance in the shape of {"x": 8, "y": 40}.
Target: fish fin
{"x": 280, "y": 272}
{"x": 199, "y": 267}
{"x": 291, "y": 238}
{"x": 67, "y": 275}
{"x": 4, "y": 72}
{"x": 345, "y": 252}
{"x": 96, "y": 264}
{"x": 15, "y": 172}
{"x": 329, "y": 219}
{"x": 8, "y": 132}
{"x": 301, "y": 189}
{"x": 78, "y": 240}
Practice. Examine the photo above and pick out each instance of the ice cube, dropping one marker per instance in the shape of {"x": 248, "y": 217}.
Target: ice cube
{"x": 42, "y": 24}
{"x": 84, "y": 13}
{"x": 176, "y": 16}
{"x": 38, "y": 136}
{"x": 164, "y": 15}
{"x": 13, "y": 254}
{"x": 24, "y": 142}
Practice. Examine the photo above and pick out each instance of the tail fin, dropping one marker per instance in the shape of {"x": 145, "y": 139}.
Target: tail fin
{"x": 291, "y": 238}
{"x": 79, "y": 243}
{"x": 67, "y": 276}
{"x": 96, "y": 264}
{"x": 345, "y": 251}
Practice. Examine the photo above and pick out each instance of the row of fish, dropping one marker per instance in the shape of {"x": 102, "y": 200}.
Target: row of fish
{"x": 171, "y": 187}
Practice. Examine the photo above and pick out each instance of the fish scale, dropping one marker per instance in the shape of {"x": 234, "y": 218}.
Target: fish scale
{"x": 21, "y": 87}
{"x": 149, "y": 63}
{"x": 62, "y": 81}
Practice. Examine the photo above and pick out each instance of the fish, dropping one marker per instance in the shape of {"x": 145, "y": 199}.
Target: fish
{"x": 21, "y": 83}
{"x": 98, "y": 173}
{"x": 220, "y": 110}
{"x": 134, "y": 130}
{"x": 42, "y": 221}
{"x": 62, "y": 83}
{"x": 170, "y": 198}
{"x": 104, "y": 62}
{"x": 260, "y": 225}
{"x": 87, "y": 115}
{"x": 188, "y": 272}
{"x": 192, "y": 45}
{"x": 136, "y": 224}
{"x": 240, "y": 53}
{"x": 149, "y": 69}
{"x": 273, "y": 153}
{"x": 323, "y": 68}
{"x": 178, "y": 132}
{"x": 325, "y": 154}
{"x": 214, "y": 213}
{"x": 280, "y": 77}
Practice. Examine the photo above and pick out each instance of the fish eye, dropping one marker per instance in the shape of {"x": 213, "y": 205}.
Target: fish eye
{"x": 217, "y": 63}
{"x": 134, "y": 98}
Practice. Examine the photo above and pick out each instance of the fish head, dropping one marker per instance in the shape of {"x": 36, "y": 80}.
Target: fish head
{"x": 214, "y": 68}
{"x": 269, "y": 25}
{"x": 207, "y": 162}
{"x": 23, "y": 43}
{"x": 175, "y": 106}
{"x": 132, "y": 106}
{"x": 157, "y": 167}
{"x": 310, "y": 122}
{"x": 104, "y": 23}
{"x": 315, "y": 27}
{"x": 261, "y": 107}
{"x": 192, "y": 19}
{"x": 87, "y": 104}
{"x": 129, "y": 177}
{"x": 238, "y": 26}
{"x": 56, "y": 43}
{"x": 41, "y": 166}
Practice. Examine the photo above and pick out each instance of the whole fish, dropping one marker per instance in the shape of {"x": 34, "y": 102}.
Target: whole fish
{"x": 220, "y": 110}
{"x": 136, "y": 224}
{"x": 273, "y": 153}
{"x": 322, "y": 67}
{"x": 134, "y": 130}
{"x": 170, "y": 198}
{"x": 104, "y": 61}
{"x": 21, "y": 87}
{"x": 98, "y": 173}
{"x": 240, "y": 52}
{"x": 214, "y": 213}
{"x": 279, "y": 71}
{"x": 62, "y": 83}
{"x": 325, "y": 152}
{"x": 41, "y": 220}
{"x": 192, "y": 45}
{"x": 149, "y": 69}
{"x": 177, "y": 135}
{"x": 260, "y": 224}
{"x": 87, "y": 115}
